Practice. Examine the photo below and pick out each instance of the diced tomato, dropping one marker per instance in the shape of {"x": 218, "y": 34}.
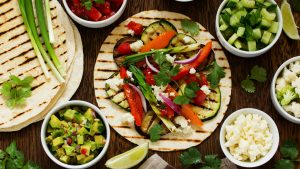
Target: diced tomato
{"x": 123, "y": 72}
{"x": 116, "y": 4}
{"x": 124, "y": 49}
{"x": 136, "y": 27}
{"x": 93, "y": 14}
{"x": 105, "y": 8}
{"x": 76, "y": 2}
{"x": 69, "y": 141}
{"x": 169, "y": 89}
{"x": 167, "y": 112}
{"x": 83, "y": 151}
{"x": 200, "y": 98}
{"x": 203, "y": 80}
{"x": 191, "y": 78}
{"x": 149, "y": 76}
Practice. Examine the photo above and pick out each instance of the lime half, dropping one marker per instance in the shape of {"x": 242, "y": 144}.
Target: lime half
{"x": 129, "y": 158}
{"x": 289, "y": 25}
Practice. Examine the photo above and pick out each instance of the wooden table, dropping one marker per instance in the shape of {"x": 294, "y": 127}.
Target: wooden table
{"x": 204, "y": 11}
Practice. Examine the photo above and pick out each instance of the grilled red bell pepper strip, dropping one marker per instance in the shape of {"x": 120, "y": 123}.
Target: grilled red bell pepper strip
{"x": 123, "y": 72}
{"x": 200, "y": 98}
{"x": 135, "y": 104}
{"x": 201, "y": 57}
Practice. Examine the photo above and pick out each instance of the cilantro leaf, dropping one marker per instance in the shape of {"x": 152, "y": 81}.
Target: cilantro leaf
{"x": 190, "y": 26}
{"x": 155, "y": 132}
{"x": 190, "y": 157}
{"x": 258, "y": 73}
{"x": 215, "y": 74}
{"x": 2, "y": 154}
{"x": 289, "y": 150}
{"x": 189, "y": 93}
{"x": 248, "y": 85}
{"x": 31, "y": 165}
{"x": 88, "y": 5}
{"x": 284, "y": 164}
{"x": 16, "y": 159}
{"x": 212, "y": 161}
{"x": 181, "y": 100}
{"x": 99, "y": 1}
{"x": 226, "y": 17}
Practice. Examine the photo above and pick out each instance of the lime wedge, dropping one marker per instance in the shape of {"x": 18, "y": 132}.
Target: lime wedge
{"x": 289, "y": 25}
{"x": 129, "y": 158}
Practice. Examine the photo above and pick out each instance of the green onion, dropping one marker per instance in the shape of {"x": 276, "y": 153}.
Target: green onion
{"x": 31, "y": 21}
{"x": 43, "y": 28}
{"x": 30, "y": 34}
{"x": 49, "y": 22}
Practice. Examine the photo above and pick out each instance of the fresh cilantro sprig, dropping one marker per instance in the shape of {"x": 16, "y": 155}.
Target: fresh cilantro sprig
{"x": 166, "y": 69}
{"x": 190, "y": 26}
{"x": 155, "y": 132}
{"x": 258, "y": 74}
{"x": 193, "y": 157}
{"x": 13, "y": 158}
{"x": 15, "y": 91}
{"x": 88, "y": 4}
{"x": 289, "y": 151}
{"x": 188, "y": 94}
{"x": 215, "y": 74}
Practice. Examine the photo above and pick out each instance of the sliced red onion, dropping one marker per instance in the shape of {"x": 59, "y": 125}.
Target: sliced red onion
{"x": 151, "y": 66}
{"x": 144, "y": 103}
{"x": 170, "y": 103}
{"x": 189, "y": 60}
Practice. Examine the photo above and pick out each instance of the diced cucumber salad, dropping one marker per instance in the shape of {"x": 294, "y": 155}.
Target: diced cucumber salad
{"x": 75, "y": 135}
{"x": 249, "y": 25}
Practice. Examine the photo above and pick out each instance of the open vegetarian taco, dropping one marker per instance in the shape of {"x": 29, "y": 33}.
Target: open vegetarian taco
{"x": 161, "y": 77}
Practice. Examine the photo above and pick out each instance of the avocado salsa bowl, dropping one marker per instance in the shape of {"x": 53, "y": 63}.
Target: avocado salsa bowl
{"x": 75, "y": 135}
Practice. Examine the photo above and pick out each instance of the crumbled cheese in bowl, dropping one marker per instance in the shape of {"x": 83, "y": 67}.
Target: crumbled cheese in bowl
{"x": 248, "y": 138}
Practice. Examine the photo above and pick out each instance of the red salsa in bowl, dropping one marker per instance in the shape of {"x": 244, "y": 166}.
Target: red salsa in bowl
{"x": 94, "y": 10}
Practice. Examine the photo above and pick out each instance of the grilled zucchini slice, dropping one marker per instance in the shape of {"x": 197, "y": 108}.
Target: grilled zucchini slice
{"x": 155, "y": 29}
{"x": 181, "y": 39}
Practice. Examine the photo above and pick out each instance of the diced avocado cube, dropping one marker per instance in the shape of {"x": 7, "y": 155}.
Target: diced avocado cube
{"x": 274, "y": 27}
{"x": 69, "y": 114}
{"x": 80, "y": 157}
{"x": 89, "y": 115}
{"x": 60, "y": 152}
{"x": 240, "y": 32}
{"x": 265, "y": 23}
{"x": 82, "y": 131}
{"x": 78, "y": 117}
{"x": 49, "y": 129}
{"x": 54, "y": 148}
{"x": 69, "y": 150}
{"x": 257, "y": 33}
{"x": 80, "y": 139}
{"x": 65, "y": 159}
{"x": 92, "y": 144}
{"x": 97, "y": 127}
{"x": 57, "y": 133}
{"x": 232, "y": 39}
{"x": 57, "y": 141}
{"x": 99, "y": 140}
{"x": 54, "y": 122}
{"x": 64, "y": 124}
{"x": 85, "y": 149}
{"x": 251, "y": 45}
{"x": 238, "y": 44}
{"x": 49, "y": 139}
{"x": 88, "y": 158}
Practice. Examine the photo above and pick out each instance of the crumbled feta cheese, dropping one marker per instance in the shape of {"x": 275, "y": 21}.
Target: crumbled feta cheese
{"x": 130, "y": 32}
{"x": 192, "y": 71}
{"x": 181, "y": 121}
{"x": 205, "y": 89}
{"x": 114, "y": 83}
{"x": 248, "y": 137}
{"x": 129, "y": 74}
{"x": 170, "y": 58}
{"x": 296, "y": 83}
{"x": 186, "y": 39}
{"x": 184, "y": 128}
{"x": 288, "y": 75}
{"x": 127, "y": 119}
{"x": 280, "y": 83}
{"x": 295, "y": 67}
{"x": 172, "y": 94}
{"x": 157, "y": 90}
{"x": 293, "y": 108}
{"x": 136, "y": 46}
{"x": 297, "y": 90}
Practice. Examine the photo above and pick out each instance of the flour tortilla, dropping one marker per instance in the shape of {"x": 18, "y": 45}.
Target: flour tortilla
{"x": 18, "y": 58}
{"x": 106, "y": 66}
{"x": 69, "y": 89}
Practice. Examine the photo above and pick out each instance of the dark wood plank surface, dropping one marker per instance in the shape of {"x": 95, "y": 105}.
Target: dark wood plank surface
{"x": 204, "y": 11}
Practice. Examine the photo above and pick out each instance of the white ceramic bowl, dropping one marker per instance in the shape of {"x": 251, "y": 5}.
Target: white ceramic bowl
{"x": 95, "y": 24}
{"x": 277, "y": 105}
{"x": 242, "y": 53}
{"x": 55, "y": 110}
{"x": 273, "y": 130}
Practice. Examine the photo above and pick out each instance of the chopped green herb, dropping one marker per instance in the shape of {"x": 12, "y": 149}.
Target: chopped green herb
{"x": 215, "y": 75}
{"x": 190, "y": 157}
{"x": 258, "y": 73}
{"x": 248, "y": 85}
{"x": 188, "y": 94}
{"x": 284, "y": 164}
{"x": 15, "y": 91}
{"x": 212, "y": 161}
{"x": 190, "y": 26}
{"x": 155, "y": 132}
{"x": 88, "y": 5}
{"x": 289, "y": 150}
{"x": 99, "y": 1}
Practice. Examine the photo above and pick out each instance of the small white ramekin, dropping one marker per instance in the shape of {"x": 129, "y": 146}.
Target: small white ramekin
{"x": 273, "y": 130}
{"x": 242, "y": 53}
{"x": 276, "y": 104}
{"x": 96, "y": 24}
{"x": 55, "y": 110}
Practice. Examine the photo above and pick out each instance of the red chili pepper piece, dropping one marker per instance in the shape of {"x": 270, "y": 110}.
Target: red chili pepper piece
{"x": 124, "y": 49}
{"x": 123, "y": 72}
{"x": 136, "y": 27}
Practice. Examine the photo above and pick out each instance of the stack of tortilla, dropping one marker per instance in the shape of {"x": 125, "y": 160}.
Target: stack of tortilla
{"x": 18, "y": 58}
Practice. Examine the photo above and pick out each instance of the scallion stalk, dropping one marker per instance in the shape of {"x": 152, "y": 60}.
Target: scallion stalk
{"x": 34, "y": 45}
{"x": 49, "y": 22}
{"x": 32, "y": 24}
{"x": 43, "y": 28}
